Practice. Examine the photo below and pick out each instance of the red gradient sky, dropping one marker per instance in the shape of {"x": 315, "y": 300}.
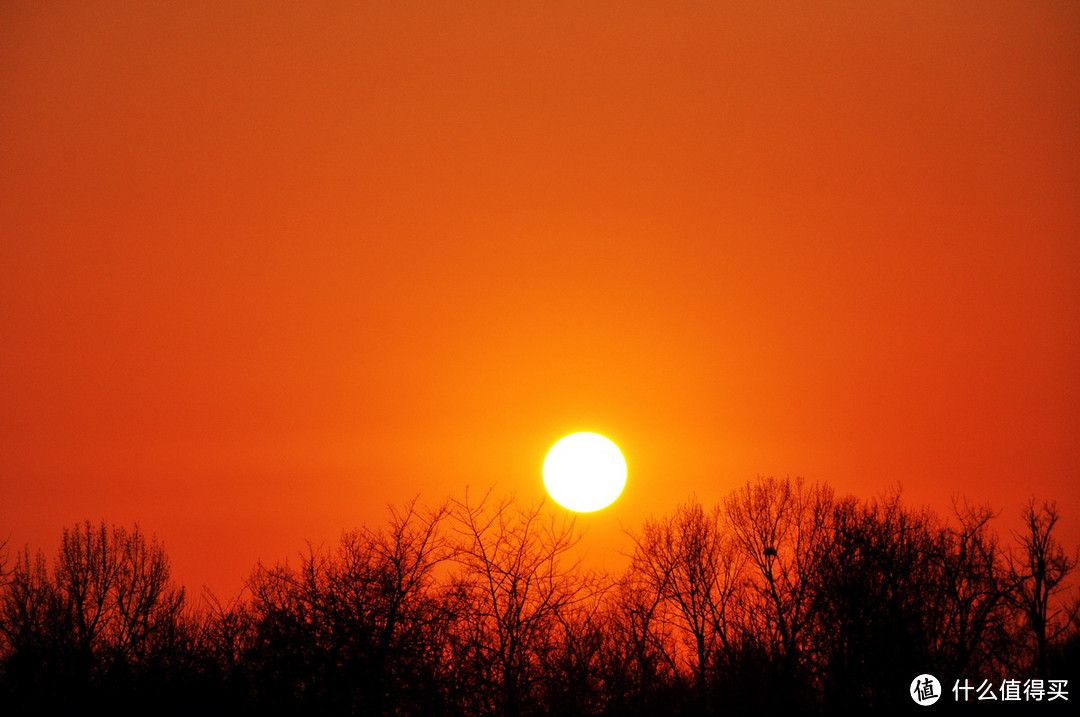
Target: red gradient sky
{"x": 267, "y": 267}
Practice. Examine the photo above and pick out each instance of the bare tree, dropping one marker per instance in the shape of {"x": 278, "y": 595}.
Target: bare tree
{"x": 1039, "y": 574}
{"x": 973, "y": 598}
{"x": 514, "y": 583}
{"x": 783, "y": 597}
{"x": 221, "y": 637}
{"x": 641, "y": 657}
{"x": 783, "y": 529}
{"x": 291, "y": 649}
{"x": 385, "y": 579}
{"x": 354, "y": 630}
{"x": 114, "y": 587}
{"x": 876, "y": 614}
{"x": 108, "y": 621}
{"x": 148, "y": 606}
{"x": 572, "y": 663}
{"x": 35, "y": 632}
{"x": 689, "y": 563}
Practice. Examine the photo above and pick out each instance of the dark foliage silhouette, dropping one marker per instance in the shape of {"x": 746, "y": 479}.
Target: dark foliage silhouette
{"x": 783, "y": 596}
{"x": 107, "y": 619}
{"x": 358, "y": 631}
{"x": 517, "y": 603}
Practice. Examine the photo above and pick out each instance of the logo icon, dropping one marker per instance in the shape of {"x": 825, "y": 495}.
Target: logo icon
{"x": 925, "y": 690}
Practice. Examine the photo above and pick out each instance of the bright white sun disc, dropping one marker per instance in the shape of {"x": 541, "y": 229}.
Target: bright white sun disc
{"x": 584, "y": 472}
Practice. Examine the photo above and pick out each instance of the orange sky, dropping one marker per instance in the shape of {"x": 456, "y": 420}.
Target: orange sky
{"x": 266, "y": 267}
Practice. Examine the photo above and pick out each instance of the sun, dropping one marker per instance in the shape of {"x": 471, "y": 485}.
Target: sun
{"x": 584, "y": 472}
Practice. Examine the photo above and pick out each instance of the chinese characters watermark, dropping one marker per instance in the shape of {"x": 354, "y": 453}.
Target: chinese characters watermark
{"x": 925, "y": 690}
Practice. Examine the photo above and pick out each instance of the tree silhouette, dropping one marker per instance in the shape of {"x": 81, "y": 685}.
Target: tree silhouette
{"x": 640, "y": 665}
{"x": 107, "y": 623}
{"x": 1039, "y": 573}
{"x": 689, "y": 565}
{"x": 221, "y": 636}
{"x": 354, "y": 631}
{"x": 514, "y": 585}
{"x": 874, "y": 620}
{"x": 783, "y": 529}
{"x": 783, "y": 597}
{"x": 35, "y": 635}
{"x": 4, "y": 558}
{"x": 972, "y": 599}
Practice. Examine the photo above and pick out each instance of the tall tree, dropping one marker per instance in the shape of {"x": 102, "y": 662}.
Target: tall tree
{"x": 1039, "y": 573}
{"x": 515, "y": 581}
{"x": 974, "y": 593}
{"x": 108, "y": 622}
{"x": 356, "y": 629}
{"x": 689, "y": 563}
{"x": 875, "y": 615}
{"x": 783, "y": 528}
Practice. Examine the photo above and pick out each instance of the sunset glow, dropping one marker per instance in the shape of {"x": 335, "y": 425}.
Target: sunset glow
{"x": 294, "y": 296}
{"x": 269, "y": 267}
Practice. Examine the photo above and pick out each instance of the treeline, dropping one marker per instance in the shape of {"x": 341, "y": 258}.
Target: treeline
{"x": 783, "y": 596}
